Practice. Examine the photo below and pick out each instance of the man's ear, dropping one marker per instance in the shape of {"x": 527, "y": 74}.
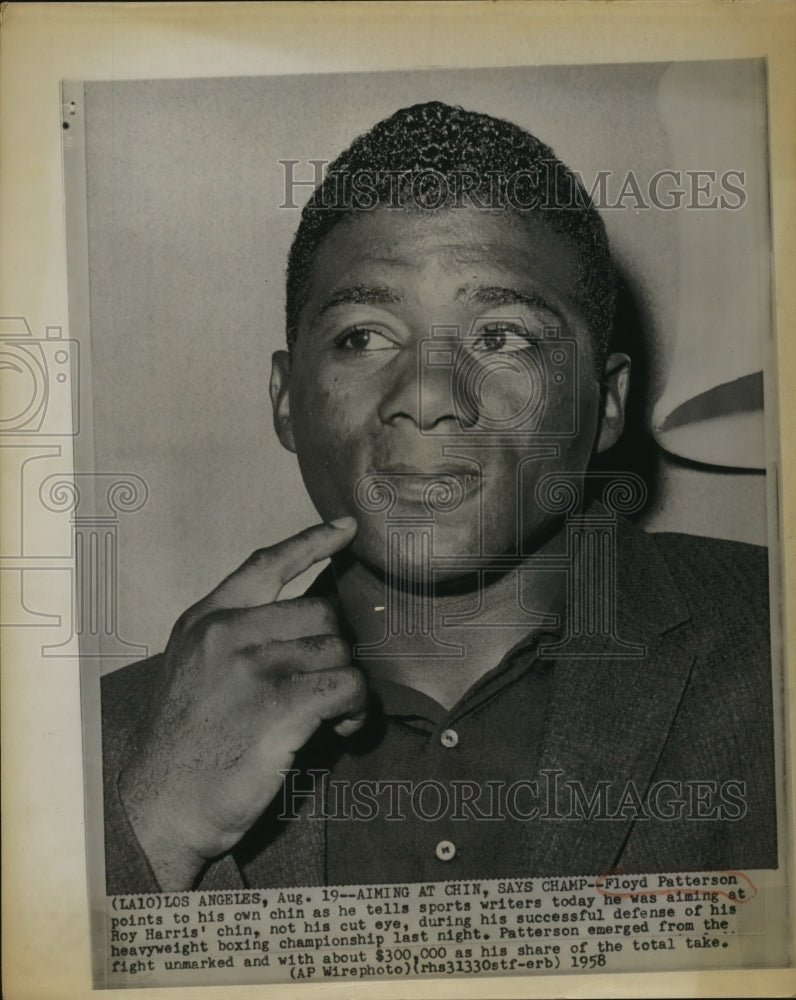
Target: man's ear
{"x": 280, "y": 398}
{"x": 614, "y": 387}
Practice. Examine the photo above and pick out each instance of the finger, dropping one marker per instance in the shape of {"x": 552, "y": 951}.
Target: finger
{"x": 349, "y": 724}
{"x": 309, "y": 654}
{"x": 260, "y": 579}
{"x": 277, "y": 622}
{"x": 310, "y": 698}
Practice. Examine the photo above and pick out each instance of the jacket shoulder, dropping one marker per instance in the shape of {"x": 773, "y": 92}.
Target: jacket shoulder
{"x": 717, "y": 576}
{"x": 725, "y": 587}
{"x": 128, "y": 696}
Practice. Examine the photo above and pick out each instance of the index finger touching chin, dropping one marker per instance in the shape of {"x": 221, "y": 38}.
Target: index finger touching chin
{"x": 261, "y": 578}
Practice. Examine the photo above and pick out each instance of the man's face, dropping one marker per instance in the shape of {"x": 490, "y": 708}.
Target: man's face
{"x": 443, "y": 347}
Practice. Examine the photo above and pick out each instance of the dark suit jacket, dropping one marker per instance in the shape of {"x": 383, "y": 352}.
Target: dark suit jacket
{"x": 698, "y": 706}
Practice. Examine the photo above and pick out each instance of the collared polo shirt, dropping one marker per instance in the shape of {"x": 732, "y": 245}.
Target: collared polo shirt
{"x": 427, "y": 794}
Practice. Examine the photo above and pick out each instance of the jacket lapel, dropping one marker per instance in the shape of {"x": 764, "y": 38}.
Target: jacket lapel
{"x": 295, "y": 849}
{"x": 609, "y": 718}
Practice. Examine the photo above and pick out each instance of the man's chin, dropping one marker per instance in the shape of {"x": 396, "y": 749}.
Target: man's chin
{"x": 412, "y": 553}
{"x": 413, "y": 557}
{"x": 417, "y": 577}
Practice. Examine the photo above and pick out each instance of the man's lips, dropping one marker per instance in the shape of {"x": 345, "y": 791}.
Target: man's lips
{"x": 415, "y": 483}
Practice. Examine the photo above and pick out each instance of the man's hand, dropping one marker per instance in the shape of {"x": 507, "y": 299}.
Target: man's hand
{"x": 250, "y": 680}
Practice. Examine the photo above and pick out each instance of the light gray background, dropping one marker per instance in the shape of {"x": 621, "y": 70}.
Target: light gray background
{"x": 186, "y": 255}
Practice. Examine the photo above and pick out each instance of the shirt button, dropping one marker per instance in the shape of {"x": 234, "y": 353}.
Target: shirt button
{"x": 445, "y": 850}
{"x": 449, "y": 738}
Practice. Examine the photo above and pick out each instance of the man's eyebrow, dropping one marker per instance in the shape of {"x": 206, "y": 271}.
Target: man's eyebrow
{"x": 496, "y": 295}
{"x": 360, "y": 295}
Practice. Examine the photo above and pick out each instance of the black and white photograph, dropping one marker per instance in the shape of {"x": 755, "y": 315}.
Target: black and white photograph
{"x": 426, "y": 559}
{"x": 528, "y": 655}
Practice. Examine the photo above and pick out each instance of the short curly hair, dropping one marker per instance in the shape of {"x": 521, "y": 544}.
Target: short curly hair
{"x": 433, "y": 156}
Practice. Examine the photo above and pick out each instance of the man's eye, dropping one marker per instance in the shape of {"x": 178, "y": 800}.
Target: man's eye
{"x": 364, "y": 339}
{"x": 500, "y": 337}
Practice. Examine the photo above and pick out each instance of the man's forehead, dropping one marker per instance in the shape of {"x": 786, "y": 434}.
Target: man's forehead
{"x": 471, "y": 258}
{"x": 386, "y": 242}
{"x": 457, "y": 228}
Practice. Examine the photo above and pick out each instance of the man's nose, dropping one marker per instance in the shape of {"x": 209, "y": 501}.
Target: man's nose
{"x": 421, "y": 389}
